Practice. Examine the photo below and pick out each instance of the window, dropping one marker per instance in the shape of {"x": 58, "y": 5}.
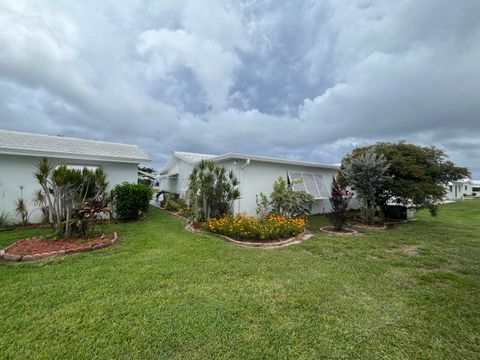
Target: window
{"x": 313, "y": 184}
{"x": 451, "y": 187}
{"x": 466, "y": 187}
{"x": 79, "y": 167}
{"x": 300, "y": 186}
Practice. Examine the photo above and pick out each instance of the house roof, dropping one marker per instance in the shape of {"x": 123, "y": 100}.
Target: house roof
{"x": 193, "y": 158}
{"x": 188, "y": 157}
{"x": 235, "y": 156}
{"x": 465, "y": 181}
{"x": 20, "y": 143}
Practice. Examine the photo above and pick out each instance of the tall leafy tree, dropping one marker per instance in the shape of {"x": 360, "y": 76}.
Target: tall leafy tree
{"x": 419, "y": 174}
{"x": 368, "y": 177}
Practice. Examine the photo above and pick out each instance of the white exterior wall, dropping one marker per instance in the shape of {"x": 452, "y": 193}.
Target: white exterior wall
{"x": 177, "y": 185}
{"x": 259, "y": 176}
{"x": 460, "y": 189}
{"x": 18, "y": 170}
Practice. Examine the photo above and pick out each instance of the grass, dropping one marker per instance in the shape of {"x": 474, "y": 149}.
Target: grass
{"x": 407, "y": 293}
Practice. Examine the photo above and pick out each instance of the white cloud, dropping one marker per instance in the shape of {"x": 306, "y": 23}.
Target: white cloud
{"x": 166, "y": 50}
{"x": 298, "y": 79}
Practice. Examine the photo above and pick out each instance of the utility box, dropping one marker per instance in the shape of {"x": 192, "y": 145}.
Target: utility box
{"x": 399, "y": 212}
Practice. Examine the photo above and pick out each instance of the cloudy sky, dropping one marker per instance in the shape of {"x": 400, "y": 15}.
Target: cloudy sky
{"x": 298, "y": 79}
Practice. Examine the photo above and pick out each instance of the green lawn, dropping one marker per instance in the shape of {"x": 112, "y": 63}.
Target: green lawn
{"x": 412, "y": 292}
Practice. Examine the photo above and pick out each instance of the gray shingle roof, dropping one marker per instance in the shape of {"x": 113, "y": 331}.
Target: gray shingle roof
{"x": 20, "y": 143}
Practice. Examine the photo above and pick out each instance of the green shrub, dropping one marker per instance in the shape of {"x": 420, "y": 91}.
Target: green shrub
{"x": 284, "y": 201}
{"x": 131, "y": 200}
{"x": 171, "y": 205}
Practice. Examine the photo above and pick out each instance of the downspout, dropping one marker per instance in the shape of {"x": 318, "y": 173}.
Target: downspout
{"x": 247, "y": 162}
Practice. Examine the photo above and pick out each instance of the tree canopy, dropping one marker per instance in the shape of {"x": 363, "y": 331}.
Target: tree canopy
{"x": 419, "y": 174}
{"x": 368, "y": 176}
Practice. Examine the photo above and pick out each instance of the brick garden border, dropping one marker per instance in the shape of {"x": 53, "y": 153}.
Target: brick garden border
{"x": 368, "y": 227}
{"x": 351, "y": 232}
{"x": 14, "y": 257}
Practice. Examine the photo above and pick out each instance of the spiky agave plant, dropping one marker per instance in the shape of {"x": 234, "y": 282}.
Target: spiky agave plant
{"x": 21, "y": 208}
{"x": 40, "y": 201}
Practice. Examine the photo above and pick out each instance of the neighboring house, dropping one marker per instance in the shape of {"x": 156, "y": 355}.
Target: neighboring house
{"x": 20, "y": 152}
{"x": 457, "y": 190}
{"x": 256, "y": 175}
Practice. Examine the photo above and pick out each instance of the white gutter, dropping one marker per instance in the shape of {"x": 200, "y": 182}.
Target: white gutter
{"x": 247, "y": 162}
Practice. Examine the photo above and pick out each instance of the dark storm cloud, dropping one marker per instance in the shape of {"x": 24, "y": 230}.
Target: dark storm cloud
{"x": 300, "y": 79}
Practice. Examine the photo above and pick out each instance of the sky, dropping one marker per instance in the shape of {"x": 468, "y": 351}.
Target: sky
{"x": 306, "y": 80}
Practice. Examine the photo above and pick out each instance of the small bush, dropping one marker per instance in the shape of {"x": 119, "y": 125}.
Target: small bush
{"x": 339, "y": 199}
{"x": 284, "y": 201}
{"x": 171, "y": 205}
{"x": 131, "y": 200}
{"x": 248, "y": 227}
{"x": 174, "y": 203}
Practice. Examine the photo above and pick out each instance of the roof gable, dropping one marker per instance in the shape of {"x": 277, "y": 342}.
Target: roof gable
{"x": 188, "y": 157}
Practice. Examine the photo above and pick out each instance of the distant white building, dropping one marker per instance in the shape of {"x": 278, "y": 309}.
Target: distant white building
{"x": 457, "y": 190}
{"x": 256, "y": 174}
{"x": 20, "y": 152}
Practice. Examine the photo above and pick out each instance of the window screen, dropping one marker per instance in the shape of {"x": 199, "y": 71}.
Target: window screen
{"x": 80, "y": 167}
{"x": 313, "y": 184}
{"x": 322, "y": 186}
{"x": 295, "y": 176}
{"x": 312, "y": 189}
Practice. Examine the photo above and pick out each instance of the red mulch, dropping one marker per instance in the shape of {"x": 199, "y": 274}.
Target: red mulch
{"x": 39, "y": 245}
{"x": 196, "y": 226}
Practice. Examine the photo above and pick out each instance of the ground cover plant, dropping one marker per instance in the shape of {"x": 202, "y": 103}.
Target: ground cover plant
{"x": 270, "y": 227}
{"x": 410, "y": 292}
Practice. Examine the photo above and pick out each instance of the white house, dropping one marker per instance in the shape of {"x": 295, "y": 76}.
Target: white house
{"x": 20, "y": 152}
{"x": 256, "y": 175}
{"x": 457, "y": 190}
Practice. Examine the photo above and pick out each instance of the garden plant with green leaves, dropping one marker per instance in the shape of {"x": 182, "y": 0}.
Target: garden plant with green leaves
{"x": 211, "y": 191}
{"x": 284, "y": 201}
{"x": 66, "y": 190}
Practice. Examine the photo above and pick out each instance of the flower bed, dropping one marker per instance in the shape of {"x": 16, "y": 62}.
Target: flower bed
{"x": 38, "y": 247}
{"x": 272, "y": 227}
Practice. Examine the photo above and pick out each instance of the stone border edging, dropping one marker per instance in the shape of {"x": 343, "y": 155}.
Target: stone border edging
{"x": 262, "y": 245}
{"x": 173, "y": 214}
{"x": 336, "y": 233}
{"x": 368, "y": 227}
{"x": 14, "y": 257}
